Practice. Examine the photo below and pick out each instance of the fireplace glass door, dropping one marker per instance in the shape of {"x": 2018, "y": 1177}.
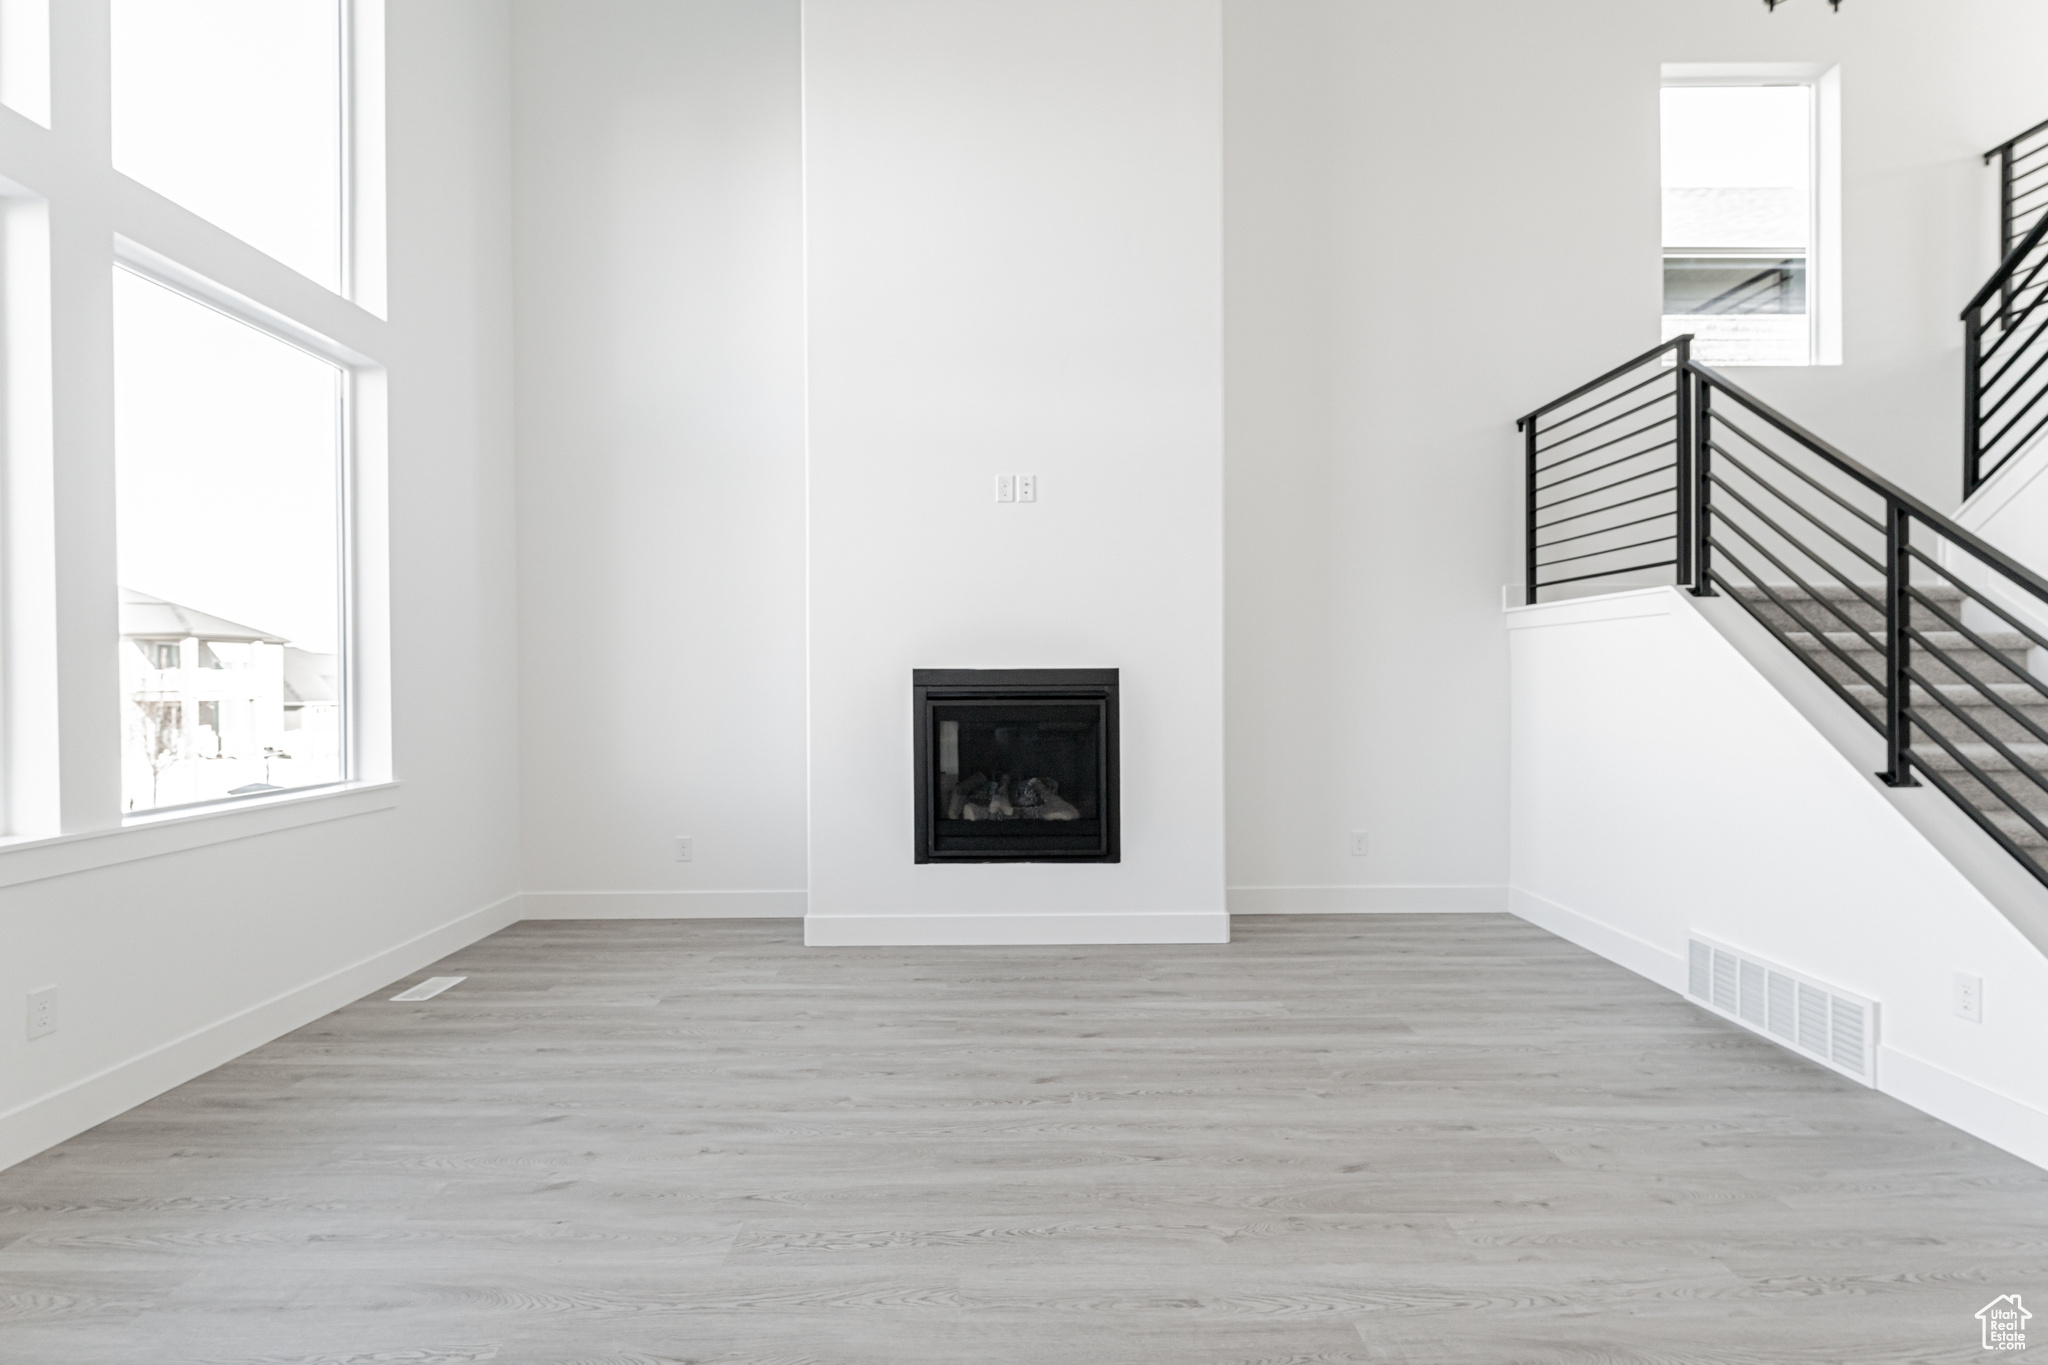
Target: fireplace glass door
{"x": 1026, "y": 774}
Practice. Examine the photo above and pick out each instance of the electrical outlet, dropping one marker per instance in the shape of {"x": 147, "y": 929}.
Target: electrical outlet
{"x": 42, "y": 1012}
{"x": 1027, "y": 488}
{"x": 1358, "y": 846}
{"x": 685, "y": 850}
{"x": 1969, "y": 1002}
{"x": 1006, "y": 488}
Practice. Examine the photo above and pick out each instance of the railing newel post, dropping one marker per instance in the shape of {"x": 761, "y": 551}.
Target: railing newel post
{"x": 1681, "y": 530}
{"x": 1702, "y": 471}
{"x": 1973, "y": 400}
{"x": 1898, "y": 606}
{"x": 2005, "y": 242}
{"x": 1529, "y": 518}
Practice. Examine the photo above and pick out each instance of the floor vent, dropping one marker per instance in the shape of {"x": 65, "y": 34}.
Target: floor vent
{"x": 1831, "y": 1026}
{"x": 429, "y": 988}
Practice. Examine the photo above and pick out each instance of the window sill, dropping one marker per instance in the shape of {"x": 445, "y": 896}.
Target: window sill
{"x": 33, "y": 859}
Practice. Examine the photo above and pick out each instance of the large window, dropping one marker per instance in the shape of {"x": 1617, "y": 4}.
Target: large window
{"x": 229, "y": 478}
{"x": 235, "y": 109}
{"x": 1743, "y": 171}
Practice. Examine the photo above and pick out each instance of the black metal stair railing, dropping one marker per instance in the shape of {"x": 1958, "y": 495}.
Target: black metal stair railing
{"x": 2005, "y": 359}
{"x": 1928, "y": 633}
{"x": 2022, "y": 184}
{"x": 1602, "y": 496}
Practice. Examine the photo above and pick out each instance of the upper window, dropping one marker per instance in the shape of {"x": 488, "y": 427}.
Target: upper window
{"x": 234, "y": 108}
{"x": 1743, "y": 217}
{"x": 229, "y": 534}
{"x": 25, "y": 58}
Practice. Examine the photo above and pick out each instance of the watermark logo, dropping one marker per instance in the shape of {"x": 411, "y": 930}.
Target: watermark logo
{"x": 2005, "y": 1323}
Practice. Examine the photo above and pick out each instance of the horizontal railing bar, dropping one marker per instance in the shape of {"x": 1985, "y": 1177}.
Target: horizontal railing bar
{"x": 1617, "y": 372}
{"x": 2018, "y": 386}
{"x": 1851, "y": 508}
{"x": 1814, "y": 627}
{"x": 1985, "y": 602}
{"x": 2012, "y": 329}
{"x": 2024, "y": 408}
{"x": 1610, "y": 550}
{"x": 1994, "y": 741}
{"x": 1997, "y": 789}
{"x": 1612, "y": 506}
{"x": 1603, "y": 531}
{"x": 2007, "y": 328}
{"x": 2002, "y": 315}
{"x": 1985, "y": 822}
{"x": 1592, "y": 408}
{"x": 2005, "y": 269}
{"x": 2016, "y": 140}
{"x": 1595, "y": 450}
{"x": 1646, "y": 474}
{"x": 1725, "y": 420}
{"x": 1954, "y": 534}
{"x": 1986, "y": 690}
{"x": 1618, "y": 460}
{"x": 1987, "y": 465}
{"x": 2014, "y": 311}
{"x": 2010, "y": 326}
{"x": 1715, "y": 576}
{"x": 2012, "y": 666}
{"x": 1604, "y": 573}
{"x": 2023, "y": 442}
{"x": 1773, "y": 490}
{"x": 1792, "y": 539}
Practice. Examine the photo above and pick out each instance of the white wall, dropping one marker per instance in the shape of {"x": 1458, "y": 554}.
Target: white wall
{"x": 1013, "y": 237}
{"x": 1440, "y": 216}
{"x": 1662, "y": 785}
{"x": 660, "y": 283}
{"x": 1435, "y": 217}
{"x": 184, "y": 955}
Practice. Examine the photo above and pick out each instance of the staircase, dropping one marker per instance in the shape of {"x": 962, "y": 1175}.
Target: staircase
{"x": 1844, "y": 655}
{"x": 1664, "y": 471}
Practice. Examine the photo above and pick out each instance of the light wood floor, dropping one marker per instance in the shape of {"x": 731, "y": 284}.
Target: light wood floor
{"x": 1426, "y": 1139}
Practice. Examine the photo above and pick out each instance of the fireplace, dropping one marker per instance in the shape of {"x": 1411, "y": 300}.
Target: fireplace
{"x": 1015, "y": 765}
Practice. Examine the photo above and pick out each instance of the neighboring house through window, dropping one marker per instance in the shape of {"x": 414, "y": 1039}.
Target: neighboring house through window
{"x": 1748, "y": 228}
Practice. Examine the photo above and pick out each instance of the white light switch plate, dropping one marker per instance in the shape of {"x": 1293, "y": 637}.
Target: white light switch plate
{"x": 686, "y": 850}
{"x": 1358, "y": 845}
{"x": 1027, "y": 488}
{"x": 1006, "y": 488}
{"x": 1969, "y": 1002}
{"x": 42, "y": 1012}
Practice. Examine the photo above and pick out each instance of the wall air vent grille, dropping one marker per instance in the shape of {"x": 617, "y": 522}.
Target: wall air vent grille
{"x": 1834, "y": 1027}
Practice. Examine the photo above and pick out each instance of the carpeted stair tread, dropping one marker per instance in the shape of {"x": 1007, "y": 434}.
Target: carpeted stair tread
{"x": 1997, "y": 658}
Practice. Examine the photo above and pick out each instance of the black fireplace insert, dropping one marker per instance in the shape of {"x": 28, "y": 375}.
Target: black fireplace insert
{"x": 1015, "y": 764}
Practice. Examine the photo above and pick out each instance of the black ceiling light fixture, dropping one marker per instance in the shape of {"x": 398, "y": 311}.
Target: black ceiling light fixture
{"x": 1772, "y": 5}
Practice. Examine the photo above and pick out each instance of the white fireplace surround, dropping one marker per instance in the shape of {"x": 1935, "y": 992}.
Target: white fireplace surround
{"x": 1013, "y": 236}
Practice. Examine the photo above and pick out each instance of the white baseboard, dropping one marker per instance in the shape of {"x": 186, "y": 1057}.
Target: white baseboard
{"x": 2000, "y": 1120}
{"x": 47, "y": 1120}
{"x": 1962, "y": 1103}
{"x": 907, "y": 931}
{"x": 662, "y": 905}
{"x": 1368, "y": 900}
{"x": 1640, "y": 956}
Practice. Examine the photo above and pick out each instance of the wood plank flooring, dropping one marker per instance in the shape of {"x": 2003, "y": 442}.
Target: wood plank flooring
{"x": 1375, "y": 1138}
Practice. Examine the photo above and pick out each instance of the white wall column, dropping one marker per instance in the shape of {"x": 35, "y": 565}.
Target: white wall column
{"x": 1014, "y": 256}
